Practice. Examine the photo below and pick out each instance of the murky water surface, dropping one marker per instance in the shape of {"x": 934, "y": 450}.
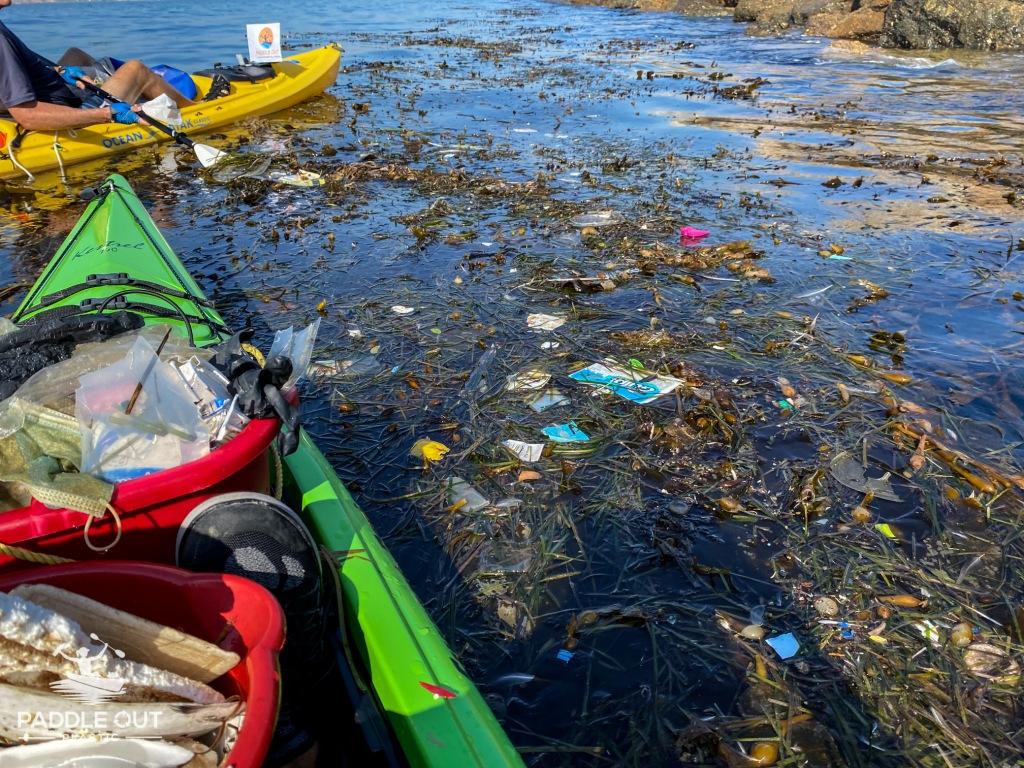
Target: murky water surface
{"x": 610, "y": 601}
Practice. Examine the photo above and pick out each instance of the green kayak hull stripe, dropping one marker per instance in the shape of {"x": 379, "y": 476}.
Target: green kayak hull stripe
{"x": 400, "y": 642}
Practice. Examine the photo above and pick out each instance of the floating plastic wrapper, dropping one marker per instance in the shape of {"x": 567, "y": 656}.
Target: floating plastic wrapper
{"x": 297, "y": 346}
{"x": 464, "y": 496}
{"x": 324, "y": 371}
{"x": 163, "y": 430}
{"x": 637, "y": 386}
{"x": 501, "y": 558}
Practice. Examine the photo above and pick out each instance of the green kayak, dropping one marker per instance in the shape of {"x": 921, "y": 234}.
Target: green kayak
{"x": 430, "y": 713}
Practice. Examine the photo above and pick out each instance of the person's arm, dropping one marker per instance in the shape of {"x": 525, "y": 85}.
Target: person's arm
{"x": 43, "y": 116}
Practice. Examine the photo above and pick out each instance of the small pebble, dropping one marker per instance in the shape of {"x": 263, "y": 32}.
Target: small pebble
{"x": 752, "y": 632}
{"x": 764, "y": 753}
{"x": 982, "y": 658}
{"x": 861, "y": 514}
{"x": 962, "y": 635}
{"x": 826, "y": 606}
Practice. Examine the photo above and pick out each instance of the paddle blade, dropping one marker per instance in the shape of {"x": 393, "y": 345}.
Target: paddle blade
{"x": 207, "y": 155}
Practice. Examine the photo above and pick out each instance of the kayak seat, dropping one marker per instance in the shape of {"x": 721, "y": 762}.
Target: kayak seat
{"x": 239, "y": 73}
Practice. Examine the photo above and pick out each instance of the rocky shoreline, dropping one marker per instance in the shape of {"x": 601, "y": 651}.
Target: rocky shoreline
{"x": 989, "y": 25}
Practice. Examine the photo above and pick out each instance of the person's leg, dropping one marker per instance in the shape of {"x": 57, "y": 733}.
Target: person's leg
{"x": 75, "y": 57}
{"x": 134, "y": 80}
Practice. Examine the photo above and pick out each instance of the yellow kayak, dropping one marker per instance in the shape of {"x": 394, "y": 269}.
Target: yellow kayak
{"x": 297, "y": 78}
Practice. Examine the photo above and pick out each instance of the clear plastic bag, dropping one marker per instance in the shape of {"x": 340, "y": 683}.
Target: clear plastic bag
{"x": 227, "y": 423}
{"x": 297, "y": 346}
{"x": 164, "y": 109}
{"x": 217, "y": 407}
{"x": 129, "y": 431}
{"x": 41, "y": 440}
{"x": 209, "y": 387}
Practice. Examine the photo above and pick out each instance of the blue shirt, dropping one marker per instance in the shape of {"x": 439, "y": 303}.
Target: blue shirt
{"x": 26, "y": 76}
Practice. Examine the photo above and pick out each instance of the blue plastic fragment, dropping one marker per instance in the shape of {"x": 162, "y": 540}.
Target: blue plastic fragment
{"x": 785, "y": 645}
{"x": 566, "y": 433}
{"x": 844, "y": 631}
{"x": 564, "y": 655}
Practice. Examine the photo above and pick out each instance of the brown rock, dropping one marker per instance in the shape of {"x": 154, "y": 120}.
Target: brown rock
{"x": 686, "y": 7}
{"x": 700, "y": 7}
{"x": 806, "y": 9}
{"x": 854, "y": 46}
{"x": 747, "y": 10}
{"x": 864, "y": 24}
{"x": 980, "y": 24}
{"x": 769, "y": 16}
{"x": 878, "y": 5}
{"x": 821, "y": 23}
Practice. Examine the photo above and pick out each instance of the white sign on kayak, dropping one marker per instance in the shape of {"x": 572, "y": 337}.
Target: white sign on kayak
{"x": 264, "y": 42}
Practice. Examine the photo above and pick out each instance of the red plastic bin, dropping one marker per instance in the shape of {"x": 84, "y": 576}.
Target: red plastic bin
{"x": 150, "y": 508}
{"x": 244, "y": 615}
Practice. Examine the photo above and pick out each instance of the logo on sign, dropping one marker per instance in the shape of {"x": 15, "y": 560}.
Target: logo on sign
{"x": 264, "y": 40}
{"x": 94, "y": 685}
{"x": 85, "y": 685}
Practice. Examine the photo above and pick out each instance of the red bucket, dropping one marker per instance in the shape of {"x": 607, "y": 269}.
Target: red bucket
{"x": 238, "y": 614}
{"x": 149, "y": 509}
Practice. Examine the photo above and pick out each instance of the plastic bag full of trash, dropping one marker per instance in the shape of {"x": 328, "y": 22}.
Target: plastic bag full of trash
{"x": 54, "y": 386}
{"x": 137, "y": 416}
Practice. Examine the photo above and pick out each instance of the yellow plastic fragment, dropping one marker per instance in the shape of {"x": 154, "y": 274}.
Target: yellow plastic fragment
{"x": 428, "y": 450}
{"x": 886, "y": 530}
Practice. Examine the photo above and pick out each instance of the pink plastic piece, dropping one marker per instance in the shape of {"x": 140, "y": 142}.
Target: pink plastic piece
{"x": 692, "y": 233}
{"x": 438, "y": 691}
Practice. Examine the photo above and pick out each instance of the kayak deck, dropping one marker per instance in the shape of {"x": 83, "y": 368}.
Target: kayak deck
{"x": 115, "y": 258}
{"x": 298, "y": 78}
{"x": 399, "y": 661}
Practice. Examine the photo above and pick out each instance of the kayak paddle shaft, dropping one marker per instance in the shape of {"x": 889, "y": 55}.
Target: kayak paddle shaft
{"x": 206, "y": 154}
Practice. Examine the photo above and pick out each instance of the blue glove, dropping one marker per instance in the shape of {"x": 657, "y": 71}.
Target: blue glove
{"x": 123, "y": 113}
{"x": 71, "y": 75}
